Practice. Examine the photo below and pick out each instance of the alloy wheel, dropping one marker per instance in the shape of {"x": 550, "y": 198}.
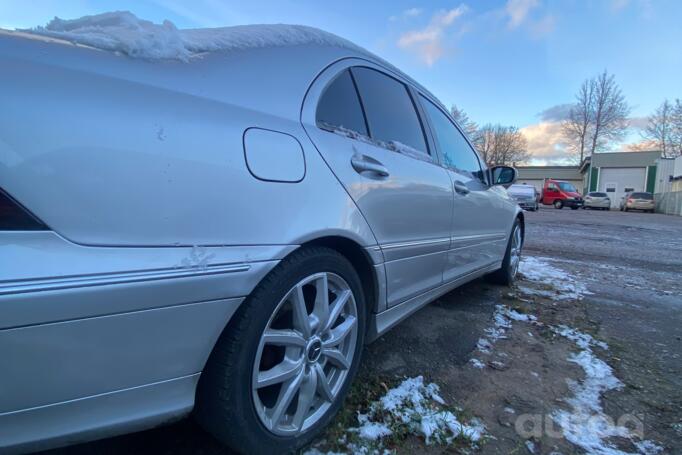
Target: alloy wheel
{"x": 304, "y": 354}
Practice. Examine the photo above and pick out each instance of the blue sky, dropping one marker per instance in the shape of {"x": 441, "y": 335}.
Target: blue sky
{"x": 509, "y": 61}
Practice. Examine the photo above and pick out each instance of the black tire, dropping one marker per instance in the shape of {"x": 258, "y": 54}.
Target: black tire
{"x": 505, "y": 276}
{"x": 224, "y": 405}
{"x": 558, "y": 204}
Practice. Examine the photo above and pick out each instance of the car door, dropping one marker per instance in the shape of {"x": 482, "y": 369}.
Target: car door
{"x": 365, "y": 124}
{"x": 482, "y": 215}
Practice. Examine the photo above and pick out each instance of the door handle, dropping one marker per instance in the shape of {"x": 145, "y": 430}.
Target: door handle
{"x": 461, "y": 188}
{"x": 362, "y": 163}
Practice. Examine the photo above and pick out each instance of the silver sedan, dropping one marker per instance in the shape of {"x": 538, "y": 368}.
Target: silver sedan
{"x": 597, "y": 200}
{"x": 222, "y": 234}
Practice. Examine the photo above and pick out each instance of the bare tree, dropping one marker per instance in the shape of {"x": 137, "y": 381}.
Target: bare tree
{"x": 499, "y": 144}
{"x": 469, "y": 127}
{"x": 599, "y": 116}
{"x": 610, "y": 113}
{"x": 576, "y": 128}
{"x": 659, "y": 129}
{"x": 676, "y": 136}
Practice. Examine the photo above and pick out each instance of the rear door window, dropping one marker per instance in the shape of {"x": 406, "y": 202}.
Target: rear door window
{"x": 339, "y": 106}
{"x": 457, "y": 153}
{"x": 391, "y": 113}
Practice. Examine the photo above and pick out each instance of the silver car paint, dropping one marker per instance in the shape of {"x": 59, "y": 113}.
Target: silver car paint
{"x": 160, "y": 229}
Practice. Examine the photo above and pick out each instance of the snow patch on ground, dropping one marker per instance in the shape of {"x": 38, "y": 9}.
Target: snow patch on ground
{"x": 412, "y": 407}
{"x": 586, "y": 425}
{"x": 502, "y": 321}
{"x": 560, "y": 284}
{"x": 477, "y": 363}
{"x": 122, "y": 31}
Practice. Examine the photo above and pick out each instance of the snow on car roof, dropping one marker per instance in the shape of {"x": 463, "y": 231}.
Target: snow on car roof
{"x": 123, "y": 32}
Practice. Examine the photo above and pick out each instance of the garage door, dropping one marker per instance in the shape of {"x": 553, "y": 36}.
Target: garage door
{"x": 617, "y": 181}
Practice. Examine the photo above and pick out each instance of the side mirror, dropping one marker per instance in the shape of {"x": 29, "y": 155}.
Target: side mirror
{"x": 503, "y": 175}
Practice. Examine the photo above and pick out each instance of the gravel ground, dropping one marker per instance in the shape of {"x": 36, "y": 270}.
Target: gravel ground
{"x": 631, "y": 263}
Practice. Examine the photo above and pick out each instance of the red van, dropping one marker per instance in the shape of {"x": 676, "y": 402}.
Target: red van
{"x": 561, "y": 194}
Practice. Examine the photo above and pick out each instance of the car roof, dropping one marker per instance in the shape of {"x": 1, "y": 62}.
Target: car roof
{"x": 231, "y": 64}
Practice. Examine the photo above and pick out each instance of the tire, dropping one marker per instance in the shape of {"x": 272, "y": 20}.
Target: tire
{"x": 506, "y": 275}
{"x": 558, "y": 204}
{"x": 227, "y": 393}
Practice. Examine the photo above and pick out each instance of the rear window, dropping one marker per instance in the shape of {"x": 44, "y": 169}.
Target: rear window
{"x": 598, "y": 194}
{"x": 339, "y": 106}
{"x": 391, "y": 114}
{"x": 525, "y": 190}
{"x": 647, "y": 196}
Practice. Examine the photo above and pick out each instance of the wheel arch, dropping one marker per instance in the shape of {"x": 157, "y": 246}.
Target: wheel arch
{"x": 359, "y": 259}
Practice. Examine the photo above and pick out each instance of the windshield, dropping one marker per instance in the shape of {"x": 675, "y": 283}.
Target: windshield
{"x": 565, "y": 186}
{"x": 597, "y": 194}
{"x": 647, "y": 196}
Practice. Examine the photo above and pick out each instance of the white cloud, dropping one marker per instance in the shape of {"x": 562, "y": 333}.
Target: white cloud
{"x": 518, "y": 10}
{"x": 546, "y": 143}
{"x": 412, "y": 12}
{"x": 408, "y": 13}
{"x": 427, "y": 43}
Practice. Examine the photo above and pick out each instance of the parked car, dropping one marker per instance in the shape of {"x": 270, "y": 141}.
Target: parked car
{"x": 597, "y": 200}
{"x": 222, "y": 234}
{"x": 561, "y": 194}
{"x": 524, "y": 195}
{"x": 638, "y": 200}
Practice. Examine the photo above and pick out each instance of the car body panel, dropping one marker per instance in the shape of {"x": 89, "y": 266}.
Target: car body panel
{"x": 133, "y": 131}
{"x": 159, "y": 229}
{"x": 409, "y": 211}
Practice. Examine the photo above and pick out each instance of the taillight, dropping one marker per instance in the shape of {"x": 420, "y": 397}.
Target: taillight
{"x": 13, "y": 217}
{"x": 631, "y": 200}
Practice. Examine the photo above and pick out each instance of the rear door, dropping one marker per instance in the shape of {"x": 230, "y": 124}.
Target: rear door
{"x": 482, "y": 216}
{"x": 386, "y": 164}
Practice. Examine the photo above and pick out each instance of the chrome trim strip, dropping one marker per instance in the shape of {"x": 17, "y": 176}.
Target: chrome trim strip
{"x": 391, "y": 246}
{"x": 472, "y": 245}
{"x": 495, "y": 236}
{"x": 119, "y": 278}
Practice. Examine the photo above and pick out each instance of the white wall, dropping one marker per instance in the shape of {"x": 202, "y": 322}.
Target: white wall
{"x": 664, "y": 169}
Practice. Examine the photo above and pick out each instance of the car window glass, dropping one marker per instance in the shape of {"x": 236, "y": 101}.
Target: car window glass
{"x": 391, "y": 114}
{"x": 648, "y": 196}
{"x": 457, "y": 153}
{"x": 567, "y": 187}
{"x": 339, "y": 106}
